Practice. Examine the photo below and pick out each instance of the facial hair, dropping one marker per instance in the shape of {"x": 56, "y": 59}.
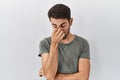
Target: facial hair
{"x": 66, "y": 34}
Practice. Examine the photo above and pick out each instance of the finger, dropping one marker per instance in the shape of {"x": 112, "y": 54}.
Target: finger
{"x": 55, "y": 29}
{"x": 62, "y": 36}
{"x": 41, "y": 74}
{"x": 58, "y": 31}
{"x": 61, "y": 32}
{"x": 41, "y": 71}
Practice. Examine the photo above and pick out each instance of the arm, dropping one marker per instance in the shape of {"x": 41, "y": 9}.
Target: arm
{"x": 50, "y": 61}
{"x": 51, "y": 65}
{"x": 83, "y": 74}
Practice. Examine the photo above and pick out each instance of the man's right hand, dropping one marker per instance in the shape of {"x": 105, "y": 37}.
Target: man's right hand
{"x": 57, "y": 35}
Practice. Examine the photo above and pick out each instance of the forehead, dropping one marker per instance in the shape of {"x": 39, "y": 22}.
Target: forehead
{"x": 58, "y": 21}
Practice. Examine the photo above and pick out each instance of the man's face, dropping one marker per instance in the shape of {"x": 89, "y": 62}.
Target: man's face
{"x": 64, "y": 24}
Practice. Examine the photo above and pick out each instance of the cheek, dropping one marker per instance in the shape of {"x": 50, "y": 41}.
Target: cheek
{"x": 66, "y": 30}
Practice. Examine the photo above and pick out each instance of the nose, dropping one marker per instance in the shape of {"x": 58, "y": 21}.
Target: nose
{"x": 61, "y": 28}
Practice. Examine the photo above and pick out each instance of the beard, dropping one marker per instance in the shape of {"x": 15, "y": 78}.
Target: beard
{"x": 66, "y": 34}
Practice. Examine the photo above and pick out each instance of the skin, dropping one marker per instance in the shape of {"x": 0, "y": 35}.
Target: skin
{"x": 61, "y": 34}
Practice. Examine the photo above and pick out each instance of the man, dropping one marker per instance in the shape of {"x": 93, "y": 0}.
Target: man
{"x": 65, "y": 56}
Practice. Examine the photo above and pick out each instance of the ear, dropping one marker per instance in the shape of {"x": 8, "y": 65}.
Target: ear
{"x": 71, "y": 21}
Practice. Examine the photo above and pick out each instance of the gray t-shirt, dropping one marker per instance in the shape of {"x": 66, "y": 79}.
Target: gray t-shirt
{"x": 69, "y": 54}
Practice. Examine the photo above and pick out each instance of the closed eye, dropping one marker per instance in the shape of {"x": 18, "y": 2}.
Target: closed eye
{"x": 54, "y": 26}
{"x": 63, "y": 25}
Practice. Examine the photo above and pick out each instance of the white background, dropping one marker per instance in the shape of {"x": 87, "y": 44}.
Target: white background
{"x": 23, "y": 23}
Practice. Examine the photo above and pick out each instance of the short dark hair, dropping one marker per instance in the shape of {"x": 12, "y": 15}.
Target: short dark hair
{"x": 59, "y": 11}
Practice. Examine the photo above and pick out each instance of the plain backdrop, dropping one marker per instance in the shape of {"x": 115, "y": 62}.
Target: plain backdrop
{"x": 23, "y": 23}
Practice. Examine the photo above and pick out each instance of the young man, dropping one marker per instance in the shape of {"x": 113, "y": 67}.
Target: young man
{"x": 65, "y": 56}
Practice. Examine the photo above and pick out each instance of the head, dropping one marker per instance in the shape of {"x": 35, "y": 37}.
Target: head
{"x": 60, "y": 16}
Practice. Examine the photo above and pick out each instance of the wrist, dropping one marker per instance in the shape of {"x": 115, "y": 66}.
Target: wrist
{"x": 58, "y": 77}
{"x": 54, "y": 43}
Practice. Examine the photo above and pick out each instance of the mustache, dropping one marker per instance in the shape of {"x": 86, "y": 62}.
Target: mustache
{"x": 66, "y": 34}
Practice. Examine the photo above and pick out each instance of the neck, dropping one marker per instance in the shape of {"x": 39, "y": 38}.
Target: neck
{"x": 68, "y": 39}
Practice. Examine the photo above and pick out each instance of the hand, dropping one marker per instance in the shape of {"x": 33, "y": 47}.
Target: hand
{"x": 41, "y": 73}
{"x": 58, "y": 77}
{"x": 57, "y": 35}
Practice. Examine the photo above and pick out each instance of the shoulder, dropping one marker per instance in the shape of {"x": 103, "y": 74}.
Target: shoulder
{"x": 81, "y": 39}
{"x": 46, "y": 40}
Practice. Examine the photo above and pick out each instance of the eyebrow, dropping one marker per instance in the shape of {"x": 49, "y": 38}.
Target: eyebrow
{"x": 63, "y": 23}
{"x": 60, "y": 24}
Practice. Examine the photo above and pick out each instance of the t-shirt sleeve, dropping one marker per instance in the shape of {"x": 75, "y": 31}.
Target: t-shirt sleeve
{"x": 85, "y": 51}
{"x": 43, "y": 47}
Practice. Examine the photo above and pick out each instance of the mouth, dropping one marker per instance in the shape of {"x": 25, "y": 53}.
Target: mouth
{"x": 65, "y": 36}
